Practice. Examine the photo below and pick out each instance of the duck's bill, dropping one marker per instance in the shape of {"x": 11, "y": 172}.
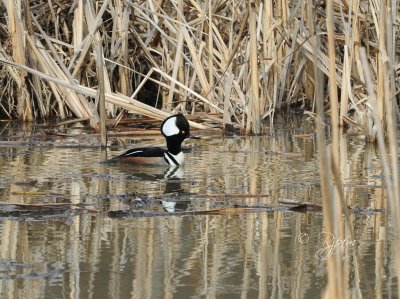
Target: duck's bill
{"x": 194, "y": 137}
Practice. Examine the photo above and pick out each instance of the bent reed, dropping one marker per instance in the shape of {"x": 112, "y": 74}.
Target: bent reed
{"x": 242, "y": 61}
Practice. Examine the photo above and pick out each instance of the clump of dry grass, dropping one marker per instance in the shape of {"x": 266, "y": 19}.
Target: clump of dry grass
{"x": 242, "y": 60}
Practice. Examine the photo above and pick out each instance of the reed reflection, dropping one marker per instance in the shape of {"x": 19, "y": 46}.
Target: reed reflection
{"x": 87, "y": 254}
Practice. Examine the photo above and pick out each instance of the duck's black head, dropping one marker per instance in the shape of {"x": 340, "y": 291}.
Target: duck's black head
{"x": 175, "y": 130}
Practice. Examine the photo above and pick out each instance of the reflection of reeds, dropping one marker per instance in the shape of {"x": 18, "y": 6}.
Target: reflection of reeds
{"x": 379, "y": 116}
{"x": 202, "y": 254}
{"x": 331, "y": 204}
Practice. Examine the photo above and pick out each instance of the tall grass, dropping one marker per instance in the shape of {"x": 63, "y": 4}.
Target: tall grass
{"x": 243, "y": 61}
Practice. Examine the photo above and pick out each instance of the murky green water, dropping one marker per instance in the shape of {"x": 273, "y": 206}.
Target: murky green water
{"x": 80, "y": 251}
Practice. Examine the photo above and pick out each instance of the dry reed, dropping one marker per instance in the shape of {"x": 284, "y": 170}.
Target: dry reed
{"x": 244, "y": 60}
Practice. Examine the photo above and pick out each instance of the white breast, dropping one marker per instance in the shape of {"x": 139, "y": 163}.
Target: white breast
{"x": 169, "y": 206}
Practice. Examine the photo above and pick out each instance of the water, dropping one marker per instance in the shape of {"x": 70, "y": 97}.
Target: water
{"x": 80, "y": 251}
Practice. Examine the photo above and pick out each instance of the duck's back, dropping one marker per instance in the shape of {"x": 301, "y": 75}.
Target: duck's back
{"x": 142, "y": 155}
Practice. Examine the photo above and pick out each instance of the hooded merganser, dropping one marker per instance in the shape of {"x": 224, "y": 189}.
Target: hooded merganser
{"x": 175, "y": 130}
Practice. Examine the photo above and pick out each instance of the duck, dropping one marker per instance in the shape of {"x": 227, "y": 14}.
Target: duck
{"x": 175, "y": 130}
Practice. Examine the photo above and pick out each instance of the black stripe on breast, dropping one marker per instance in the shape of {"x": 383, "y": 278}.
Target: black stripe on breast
{"x": 171, "y": 158}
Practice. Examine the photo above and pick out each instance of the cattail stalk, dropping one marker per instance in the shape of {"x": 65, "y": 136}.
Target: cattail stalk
{"x": 254, "y": 105}
{"x": 101, "y": 92}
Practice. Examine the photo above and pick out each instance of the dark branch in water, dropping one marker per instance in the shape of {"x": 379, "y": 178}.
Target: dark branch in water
{"x": 237, "y": 209}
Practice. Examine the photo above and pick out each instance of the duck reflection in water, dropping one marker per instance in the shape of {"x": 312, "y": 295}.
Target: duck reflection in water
{"x": 173, "y": 186}
{"x": 173, "y": 199}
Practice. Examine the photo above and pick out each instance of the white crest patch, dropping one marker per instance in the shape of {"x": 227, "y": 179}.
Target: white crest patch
{"x": 169, "y": 128}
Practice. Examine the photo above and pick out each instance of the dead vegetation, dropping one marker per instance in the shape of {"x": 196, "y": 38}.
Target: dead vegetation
{"x": 241, "y": 60}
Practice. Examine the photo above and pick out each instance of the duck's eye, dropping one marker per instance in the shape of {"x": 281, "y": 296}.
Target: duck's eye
{"x": 183, "y": 132}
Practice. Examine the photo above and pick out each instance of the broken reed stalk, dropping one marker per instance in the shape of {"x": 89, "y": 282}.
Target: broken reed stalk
{"x": 337, "y": 281}
{"x": 210, "y": 44}
{"x": 326, "y": 189}
{"x": 392, "y": 125}
{"x": 177, "y": 70}
{"x": 333, "y": 97}
{"x": 101, "y": 93}
{"x": 333, "y": 289}
{"x": 32, "y": 61}
{"x": 254, "y": 106}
